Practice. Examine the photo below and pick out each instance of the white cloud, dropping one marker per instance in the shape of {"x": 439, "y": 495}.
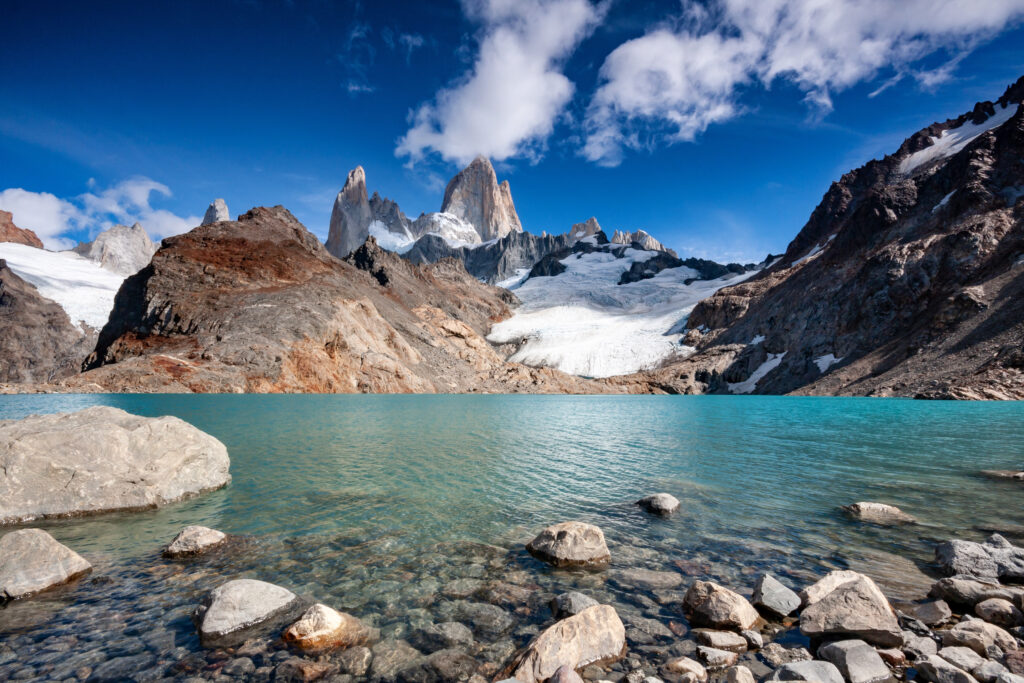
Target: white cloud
{"x": 127, "y": 202}
{"x": 680, "y": 80}
{"x": 507, "y": 104}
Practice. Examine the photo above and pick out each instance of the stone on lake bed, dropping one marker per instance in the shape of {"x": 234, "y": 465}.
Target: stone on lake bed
{"x": 685, "y": 665}
{"x": 821, "y": 672}
{"x": 325, "y": 628}
{"x": 647, "y": 579}
{"x": 594, "y": 636}
{"x": 856, "y": 609}
{"x": 771, "y": 596}
{"x": 659, "y": 504}
{"x": 857, "y": 661}
{"x": 194, "y": 540}
{"x": 570, "y": 544}
{"x": 714, "y": 606}
{"x": 716, "y": 659}
{"x": 878, "y": 513}
{"x": 442, "y": 636}
{"x": 32, "y": 561}
{"x": 103, "y": 459}
{"x": 571, "y": 603}
{"x": 237, "y": 610}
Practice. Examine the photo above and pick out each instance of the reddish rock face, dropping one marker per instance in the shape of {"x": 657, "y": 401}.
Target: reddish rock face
{"x": 9, "y": 232}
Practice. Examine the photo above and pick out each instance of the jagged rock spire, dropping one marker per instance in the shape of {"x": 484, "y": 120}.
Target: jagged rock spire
{"x": 475, "y": 196}
{"x": 216, "y": 212}
{"x": 351, "y": 216}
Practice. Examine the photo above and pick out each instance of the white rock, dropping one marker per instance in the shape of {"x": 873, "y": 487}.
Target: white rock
{"x": 570, "y": 544}
{"x": 121, "y": 249}
{"x": 194, "y": 540}
{"x": 659, "y": 503}
{"x": 595, "y": 635}
{"x": 216, "y": 212}
{"x": 232, "y": 611}
{"x": 32, "y": 560}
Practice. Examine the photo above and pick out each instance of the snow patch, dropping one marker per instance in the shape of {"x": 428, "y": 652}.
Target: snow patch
{"x": 757, "y": 340}
{"x": 826, "y": 361}
{"x": 748, "y": 385}
{"x": 81, "y": 286}
{"x": 945, "y": 200}
{"x": 955, "y": 139}
{"x": 814, "y": 251}
{"x": 515, "y": 280}
{"x": 389, "y": 240}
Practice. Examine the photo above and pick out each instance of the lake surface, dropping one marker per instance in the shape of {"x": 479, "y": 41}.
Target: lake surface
{"x": 377, "y": 504}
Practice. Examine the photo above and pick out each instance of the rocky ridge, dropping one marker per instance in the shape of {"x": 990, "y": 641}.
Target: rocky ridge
{"x": 475, "y": 196}
{"x": 906, "y": 281}
{"x": 9, "y": 232}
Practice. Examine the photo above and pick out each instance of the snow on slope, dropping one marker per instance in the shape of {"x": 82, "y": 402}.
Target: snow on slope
{"x": 82, "y": 288}
{"x": 955, "y": 139}
{"x": 583, "y": 323}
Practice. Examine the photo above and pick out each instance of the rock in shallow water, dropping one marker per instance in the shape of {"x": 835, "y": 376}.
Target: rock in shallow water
{"x": 856, "y": 609}
{"x": 994, "y": 559}
{"x": 194, "y": 540}
{"x": 570, "y": 544}
{"x": 323, "y": 628}
{"x": 714, "y": 606}
{"x": 878, "y": 513}
{"x": 659, "y": 504}
{"x": 103, "y": 459}
{"x": 32, "y": 560}
{"x": 571, "y": 603}
{"x": 237, "y": 610}
{"x": 774, "y": 598}
{"x": 595, "y": 635}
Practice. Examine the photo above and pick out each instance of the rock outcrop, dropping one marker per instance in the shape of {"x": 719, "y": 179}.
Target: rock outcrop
{"x": 906, "y": 280}
{"x": 207, "y": 315}
{"x": 475, "y": 196}
{"x": 587, "y": 228}
{"x": 32, "y": 561}
{"x": 38, "y": 343}
{"x": 494, "y": 262}
{"x": 9, "y": 232}
{"x": 640, "y": 239}
{"x": 103, "y": 459}
{"x": 217, "y": 211}
{"x": 121, "y": 249}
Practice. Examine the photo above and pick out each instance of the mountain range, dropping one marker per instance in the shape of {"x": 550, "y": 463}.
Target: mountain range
{"x": 905, "y": 281}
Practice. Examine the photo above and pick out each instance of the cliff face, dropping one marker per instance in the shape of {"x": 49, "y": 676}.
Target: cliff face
{"x": 38, "y": 343}
{"x": 350, "y": 217}
{"x": 907, "y": 279}
{"x": 260, "y": 305}
{"x": 475, "y": 196}
{"x": 9, "y": 232}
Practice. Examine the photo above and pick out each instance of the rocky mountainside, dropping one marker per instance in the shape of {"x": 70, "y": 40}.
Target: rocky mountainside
{"x": 121, "y": 249}
{"x": 475, "y": 196}
{"x": 907, "y": 280}
{"x": 259, "y": 305}
{"x": 495, "y": 262}
{"x": 38, "y": 343}
{"x": 9, "y": 232}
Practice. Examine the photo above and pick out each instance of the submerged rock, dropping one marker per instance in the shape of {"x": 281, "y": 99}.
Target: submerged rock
{"x": 647, "y": 579}
{"x": 570, "y": 544}
{"x": 570, "y": 604}
{"x": 194, "y": 540}
{"x": 659, "y": 504}
{"x": 771, "y": 596}
{"x": 594, "y": 636}
{"x": 32, "y": 560}
{"x": 714, "y": 606}
{"x": 323, "y": 628}
{"x": 856, "y": 609}
{"x": 995, "y": 559}
{"x": 237, "y": 610}
{"x": 103, "y": 459}
{"x": 878, "y": 513}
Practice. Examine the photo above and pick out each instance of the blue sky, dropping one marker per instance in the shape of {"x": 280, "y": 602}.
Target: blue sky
{"x": 716, "y": 126}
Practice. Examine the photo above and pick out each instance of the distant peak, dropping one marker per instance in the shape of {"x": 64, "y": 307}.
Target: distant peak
{"x": 357, "y": 176}
{"x": 216, "y": 212}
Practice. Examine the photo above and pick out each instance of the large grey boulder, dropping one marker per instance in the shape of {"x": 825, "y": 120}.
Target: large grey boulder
{"x": 857, "y": 661}
{"x": 216, "y": 212}
{"x": 194, "y": 540}
{"x": 1000, "y": 612}
{"x": 979, "y": 636}
{"x": 237, "y": 610}
{"x": 856, "y": 609}
{"x": 937, "y": 670}
{"x": 966, "y": 591}
{"x": 659, "y": 504}
{"x": 771, "y": 596}
{"x": 594, "y": 636}
{"x": 32, "y": 560}
{"x": 102, "y": 459}
{"x": 995, "y": 559}
{"x": 570, "y": 544}
{"x": 878, "y": 513}
{"x": 714, "y": 606}
{"x": 821, "y": 672}
{"x": 826, "y": 585}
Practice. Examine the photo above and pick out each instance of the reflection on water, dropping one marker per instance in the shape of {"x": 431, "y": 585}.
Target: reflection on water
{"x": 364, "y": 499}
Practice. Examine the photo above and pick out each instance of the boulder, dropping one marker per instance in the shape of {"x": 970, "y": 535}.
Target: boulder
{"x": 878, "y": 513}
{"x": 239, "y": 609}
{"x": 32, "y": 560}
{"x": 979, "y": 636}
{"x": 565, "y": 674}
{"x": 966, "y": 591}
{"x": 773, "y": 598}
{"x": 821, "y": 672}
{"x": 647, "y": 579}
{"x": 937, "y": 670}
{"x": 102, "y": 459}
{"x": 992, "y": 474}
{"x": 856, "y": 609}
{"x": 1000, "y": 612}
{"x": 325, "y": 628}
{"x": 1009, "y": 678}
{"x": 716, "y": 659}
{"x": 916, "y": 646}
{"x": 826, "y": 585}
{"x": 442, "y": 636}
{"x": 685, "y": 665}
{"x": 594, "y": 636}
{"x": 989, "y": 671}
{"x": 659, "y": 504}
{"x": 714, "y": 606}
{"x": 739, "y": 674}
{"x": 194, "y": 540}
{"x": 776, "y": 655}
{"x": 962, "y": 657}
{"x": 995, "y": 559}
{"x": 754, "y": 639}
{"x": 570, "y": 544}
{"x": 933, "y": 613}
{"x": 570, "y": 604}
{"x": 857, "y": 661}
{"x": 722, "y": 640}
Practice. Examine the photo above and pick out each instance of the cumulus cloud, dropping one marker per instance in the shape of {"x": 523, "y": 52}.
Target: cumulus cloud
{"x": 678, "y": 80}
{"x": 126, "y": 202}
{"x": 509, "y": 101}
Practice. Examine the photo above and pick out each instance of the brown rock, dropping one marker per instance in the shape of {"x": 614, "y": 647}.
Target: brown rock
{"x": 711, "y": 605}
{"x": 9, "y": 232}
{"x": 324, "y": 628}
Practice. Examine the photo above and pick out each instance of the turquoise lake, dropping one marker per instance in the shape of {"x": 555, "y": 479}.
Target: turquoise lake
{"x": 375, "y": 504}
